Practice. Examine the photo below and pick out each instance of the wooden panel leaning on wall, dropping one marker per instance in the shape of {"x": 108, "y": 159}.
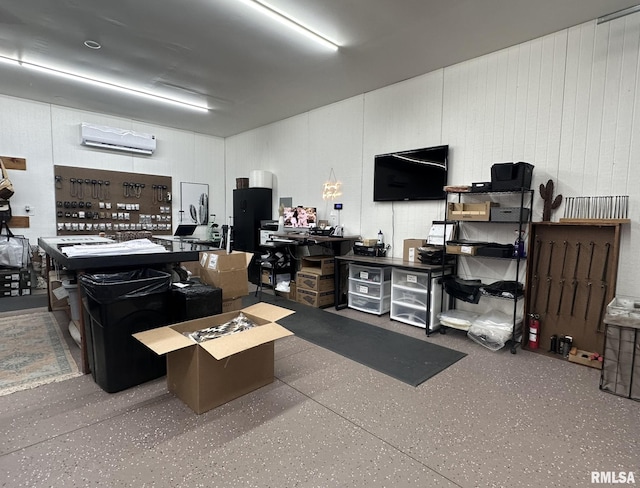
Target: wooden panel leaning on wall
{"x": 571, "y": 279}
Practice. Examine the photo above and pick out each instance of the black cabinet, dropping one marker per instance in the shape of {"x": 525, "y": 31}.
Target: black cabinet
{"x": 250, "y": 206}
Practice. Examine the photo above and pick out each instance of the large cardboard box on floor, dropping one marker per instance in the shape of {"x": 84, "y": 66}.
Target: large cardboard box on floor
{"x": 410, "y": 249}
{"x": 208, "y": 374}
{"x": 226, "y": 271}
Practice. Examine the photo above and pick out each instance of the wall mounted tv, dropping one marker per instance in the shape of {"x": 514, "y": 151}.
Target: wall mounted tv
{"x": 417, "y": 174}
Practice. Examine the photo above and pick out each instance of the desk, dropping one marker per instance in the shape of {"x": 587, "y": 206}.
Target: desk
{"x": 176, "y": 252}
{"x": 341, "y": 294}
{"x": 338, "y": 245}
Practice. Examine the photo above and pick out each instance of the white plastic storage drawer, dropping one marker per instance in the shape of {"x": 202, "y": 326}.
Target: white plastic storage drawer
{"x": 369, "y": 273}
{"x": 377, "y": 306}
{"x": 368, "y": 288}
{"x": 410, "y": 279}
{"x": 415, "y": 298}
{"x": 416, "y": 316}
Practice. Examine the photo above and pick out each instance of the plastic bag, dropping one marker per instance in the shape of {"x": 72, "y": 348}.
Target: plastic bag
{"x": 458, "y": 319}
{"x": 492, "y": 329}
{"x": 237, "y": 324}
{"x": 495, "y": 319}
{"x": 14, "y": 251}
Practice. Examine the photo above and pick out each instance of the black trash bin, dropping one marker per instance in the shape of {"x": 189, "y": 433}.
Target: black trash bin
{"x": 195, "y": 301}
{"x": 117, "y": 305}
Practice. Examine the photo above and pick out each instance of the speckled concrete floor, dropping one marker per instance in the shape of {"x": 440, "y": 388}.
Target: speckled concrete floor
{"x": 493, "y": 419}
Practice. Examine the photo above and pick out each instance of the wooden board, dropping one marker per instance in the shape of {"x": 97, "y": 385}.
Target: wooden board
{"x": 19, "y": 222}
{"x": 570, "y": 289}
{"x": 14, "y": 163}
{"x": 93, "y": 207}
{"x": 595, "y": 221}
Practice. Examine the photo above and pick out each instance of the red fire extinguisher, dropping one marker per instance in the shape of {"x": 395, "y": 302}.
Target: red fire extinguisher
{"x": 534, "y": 330}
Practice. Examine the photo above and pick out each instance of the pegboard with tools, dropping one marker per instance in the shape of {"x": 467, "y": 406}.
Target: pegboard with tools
{"x": 571, "y": 278}
{"x": 91, "y": 201}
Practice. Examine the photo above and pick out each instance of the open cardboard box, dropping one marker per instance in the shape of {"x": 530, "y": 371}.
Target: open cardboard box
{"x": 208, "y": 374}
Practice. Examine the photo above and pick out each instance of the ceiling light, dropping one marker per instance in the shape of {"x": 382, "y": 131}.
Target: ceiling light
{"x": 92, "y": 44}
{"x": 105, "y": 84}
{"x": 618, "y": 14}
{"x": 290, "y": 22}
{"x": 9, "y": 61}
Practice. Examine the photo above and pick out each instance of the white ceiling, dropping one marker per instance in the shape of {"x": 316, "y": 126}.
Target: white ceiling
{"x": 252, "y": 71}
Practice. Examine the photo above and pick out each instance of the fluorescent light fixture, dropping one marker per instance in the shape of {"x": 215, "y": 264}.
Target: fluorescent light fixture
{"x": 618, "y": 14}
{"x": 9, "y": 61}
{"x": 105, "y": 84}
{"x": 286, "y": 19}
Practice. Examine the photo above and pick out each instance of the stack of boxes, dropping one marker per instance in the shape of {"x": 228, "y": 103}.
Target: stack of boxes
{"x": 228, "y": 272}
{"x": 15, "y": 282}
{"x": 315, "y": 281}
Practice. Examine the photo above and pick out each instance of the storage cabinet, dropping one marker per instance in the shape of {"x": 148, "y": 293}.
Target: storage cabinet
{"x": 498, "y": 207}
{"x": 416, "y": 298}
{"x": 370, "y": 289}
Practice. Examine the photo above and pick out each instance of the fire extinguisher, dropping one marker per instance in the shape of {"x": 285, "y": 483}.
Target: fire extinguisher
{"x": 534, "y": 331}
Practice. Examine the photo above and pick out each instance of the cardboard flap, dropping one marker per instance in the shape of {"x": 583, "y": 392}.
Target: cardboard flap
{"x": 221, "y": 261}
{"x": 226, "y": 346}
{"x": 163, "y": 340}
{"x": 267, "y": 311}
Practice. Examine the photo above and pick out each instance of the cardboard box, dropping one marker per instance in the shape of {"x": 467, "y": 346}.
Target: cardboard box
{"x": 192, "y": 267}
{"x": 231, "y": 305}
{"x": 462, "y": 249}
{"x": 315, "y": 282}
{"x": 226, "y": 271}
{"x": 11, "y": 275}
{"x": 58, "y": 296}
{"x": 317, "y": 299}
{"x": 582, "y": 357}
{"x": 266, "y": 277}
{"x": 208, "y": 374}
{"x": 318, "y": 265}
{"x": 470, "y": 211}
{"x": 410, "y": 250}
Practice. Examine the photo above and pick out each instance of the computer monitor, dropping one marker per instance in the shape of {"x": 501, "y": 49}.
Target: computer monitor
{"x": 300, "y": 217}
{"x": 185, "y": 230}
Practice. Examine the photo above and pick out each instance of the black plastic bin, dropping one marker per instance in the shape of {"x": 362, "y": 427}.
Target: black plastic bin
{"x": 117, "y": 305}
{"x": 195, "y": 301}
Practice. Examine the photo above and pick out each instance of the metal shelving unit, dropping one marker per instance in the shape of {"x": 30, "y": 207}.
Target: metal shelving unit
{"x": 526, "y": 202}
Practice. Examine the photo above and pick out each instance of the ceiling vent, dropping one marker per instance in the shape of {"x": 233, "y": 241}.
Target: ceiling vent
{"x": 117, "y": 139}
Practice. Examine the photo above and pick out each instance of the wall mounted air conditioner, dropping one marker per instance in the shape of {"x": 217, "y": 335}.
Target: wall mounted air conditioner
{"x": 117, "y": 139}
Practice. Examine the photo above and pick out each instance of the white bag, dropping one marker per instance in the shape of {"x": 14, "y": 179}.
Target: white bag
{"x": 14, "y": 251}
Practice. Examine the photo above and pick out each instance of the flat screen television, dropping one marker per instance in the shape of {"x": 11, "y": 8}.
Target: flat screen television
{"x": 300, "y": 217}
{"x": 417, "y": 174}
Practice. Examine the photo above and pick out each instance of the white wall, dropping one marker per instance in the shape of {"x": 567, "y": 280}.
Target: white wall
{"x": 569, "y": 103}
{"x": 47, "y": 135}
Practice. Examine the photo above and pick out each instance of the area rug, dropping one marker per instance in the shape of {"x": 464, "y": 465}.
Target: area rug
{"x": 33, "y": 352}
{"x": 402, "y": 357}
